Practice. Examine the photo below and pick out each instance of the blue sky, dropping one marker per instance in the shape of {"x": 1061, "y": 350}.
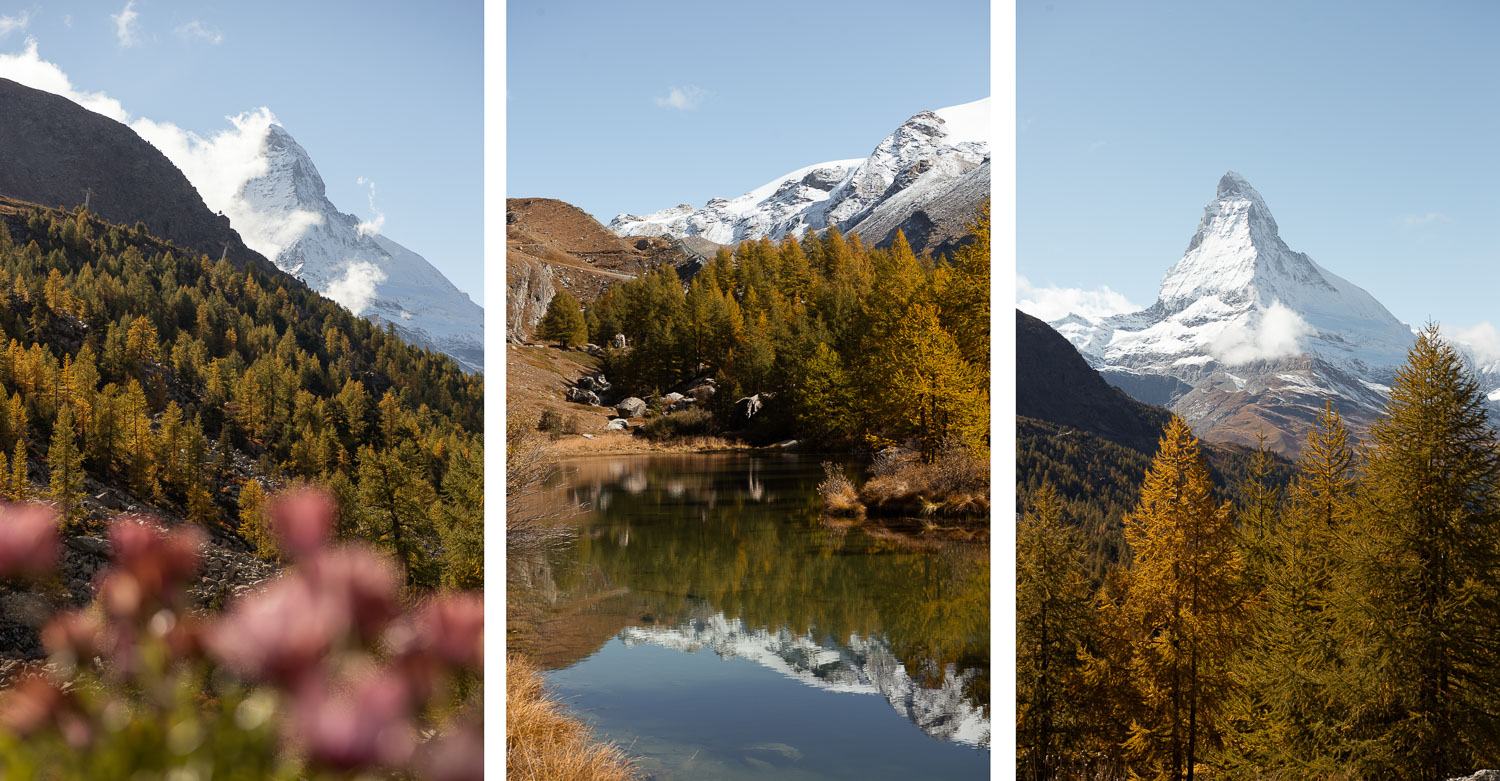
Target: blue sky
{"x": 1369, "y": 128}
{"x": 761, "y": 89}
{"x": 391, "y": 92}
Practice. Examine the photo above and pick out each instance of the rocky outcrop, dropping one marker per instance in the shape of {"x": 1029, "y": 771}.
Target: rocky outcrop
{"x": 529, "y": 289}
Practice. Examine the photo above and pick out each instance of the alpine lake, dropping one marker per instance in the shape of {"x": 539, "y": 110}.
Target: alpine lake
{"x": 704, "y": 615}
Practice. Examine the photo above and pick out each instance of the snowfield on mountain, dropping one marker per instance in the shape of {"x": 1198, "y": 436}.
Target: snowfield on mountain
{"x": 924, "y": 178}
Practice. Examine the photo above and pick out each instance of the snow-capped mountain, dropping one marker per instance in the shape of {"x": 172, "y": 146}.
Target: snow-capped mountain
{"x": 862, "y": 666}
{"x": 349, "y": 261}
{"x": 925, "y": 178}
{"x": 1246, "y": 333}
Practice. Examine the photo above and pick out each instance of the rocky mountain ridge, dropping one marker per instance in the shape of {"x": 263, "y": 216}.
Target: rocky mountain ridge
{"x": 58, "y": 153}
{"x": 343, "y": 258}
{"x": 926, "y": 179}
{"x": 1248, "y": 335}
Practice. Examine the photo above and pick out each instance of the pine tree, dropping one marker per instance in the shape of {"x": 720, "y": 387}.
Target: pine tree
{"x": 1055, "y": 619}
{"x": 563, "y": 323}
{"x": 1182, "y": 606}
{"x": 1419, "y": 614}
{"x": 66, "y": 464}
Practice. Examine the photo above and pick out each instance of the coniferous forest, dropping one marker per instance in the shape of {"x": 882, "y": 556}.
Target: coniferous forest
{"x": 137, "y": 363}
{"x": 1344, "y": 624}
{"x": 846, "y": 345}
{"x": 228, "y": 411}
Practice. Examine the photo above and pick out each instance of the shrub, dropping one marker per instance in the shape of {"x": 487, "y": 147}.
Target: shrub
{"x": 687, "y": 423}
{"x": 324, "y": 673}
{"x": 550, "y": 420}
{"x": 839, "y": 496}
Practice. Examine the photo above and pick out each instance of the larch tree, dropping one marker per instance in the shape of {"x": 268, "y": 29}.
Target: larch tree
{"x": 563, "y": 321}
{"x": 1285, "y": 717}
{"x": 65, "y": 463}
{"x": 1182, "y": 607}
{"x": 1419, "y": 614}
{"x": 1055, "y": 618}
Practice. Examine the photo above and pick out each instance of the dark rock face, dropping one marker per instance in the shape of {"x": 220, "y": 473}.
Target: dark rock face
{"x": 1054, "y": 383}
{"x": 53, "y": 151}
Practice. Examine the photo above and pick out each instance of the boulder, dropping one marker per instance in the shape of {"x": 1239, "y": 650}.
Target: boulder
{"x": 631, "y": 408}
{"x": 593, "y": 349}
{"x": 681, "y": 404}
{"x": 670, "y": 399}
{"x": 581, "y": 396}
{"x": 585, "y": 382}
{"x": 618, "y": 424}
{"x": 702, "y": 392}
{"x": 619, "y": 342}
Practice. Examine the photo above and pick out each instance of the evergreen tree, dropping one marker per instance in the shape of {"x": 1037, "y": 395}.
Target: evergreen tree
{"x": 66, "y": 464}
{"x": 18, "y": 482}
{"x": 1055, "y": 619}
{"x": 563, "y": 323}
{"x": 1284, "y": 712}
{"x": 1419, "y": 614}
{"x": 1181, "y": 609}
{"x": 460, "y": 519}
{"x": 395, "y": 503}
{"x": 255, "y": 527}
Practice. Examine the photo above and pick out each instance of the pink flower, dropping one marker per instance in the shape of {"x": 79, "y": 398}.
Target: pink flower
{"x": 158, "y": 561}
{"x": 452, "y": 628}
{"x": 28, "y": 541}
{"x": 303, "y": 520}
{"x": 280, "y": 634}
{"x": 360, "y": 583}
{"x": 366, "y": 725}
{"x": 75, "y": 634}
{"x": 29, "y": 706}
{"x": 455, "y": 755}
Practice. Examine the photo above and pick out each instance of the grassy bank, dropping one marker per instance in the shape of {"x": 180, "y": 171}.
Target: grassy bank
{"x": 543, "y": 742}
{"x": 951, "y": 493}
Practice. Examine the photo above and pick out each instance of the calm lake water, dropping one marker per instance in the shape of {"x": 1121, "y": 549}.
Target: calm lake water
{"x": 707, "y": 619}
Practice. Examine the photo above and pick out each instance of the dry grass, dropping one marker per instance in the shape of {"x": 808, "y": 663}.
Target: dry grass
{"x": 544, "y": 743}
{"x": 839, "y": 496}
{"x": 613, "y": 443}
{"x": 956, "y": 485}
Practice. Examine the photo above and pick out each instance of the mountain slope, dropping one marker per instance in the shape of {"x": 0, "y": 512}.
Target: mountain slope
{"x": 1093, "y": 444}
{"x": 339, "y": 257}
{"x": 57, "y": 153}
{"x": 1054, "y": 383}
{"x": 927, "y": 178}
{"x": 1247, "y": 334}
{"x": 550, "y": 244}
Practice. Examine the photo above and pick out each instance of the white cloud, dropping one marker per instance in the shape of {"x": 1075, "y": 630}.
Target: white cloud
{"x": 357, "y": 287}
{"x": 201, "y": 31}
{"x": 1410, "y": 221}
{"x": 125, "y": 27}
{"x": 682, "y": 98}
{"x": 1278, "y": 333}
{"x": 218, "y": 166}
{"x": 1054, "y": 303}
{"x": 1481, "y": 341}
{"x": 30, "y": 69}
{"x": 10, "y": 24}
{"x": 370, "y": 227}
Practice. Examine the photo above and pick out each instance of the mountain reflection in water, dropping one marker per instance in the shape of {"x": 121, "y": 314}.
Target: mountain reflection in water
{"x": 730, "y": 553}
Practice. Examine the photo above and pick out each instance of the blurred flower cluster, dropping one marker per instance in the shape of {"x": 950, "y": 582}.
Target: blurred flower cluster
{"x": 327, "y": 672}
